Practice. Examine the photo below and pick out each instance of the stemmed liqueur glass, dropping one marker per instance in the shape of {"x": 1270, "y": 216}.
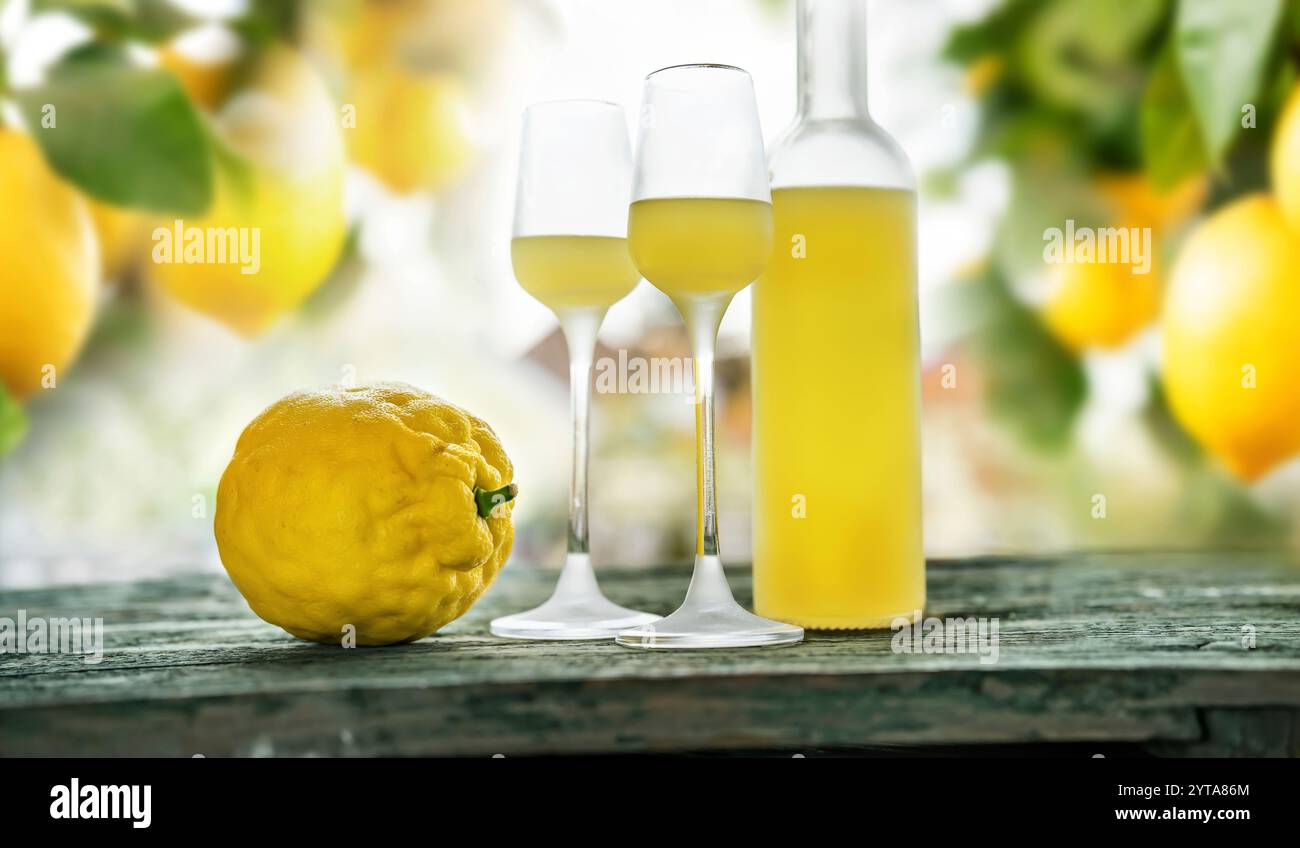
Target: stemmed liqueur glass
{"x": 569, "y": 250}
{"x": 700, "y": 230}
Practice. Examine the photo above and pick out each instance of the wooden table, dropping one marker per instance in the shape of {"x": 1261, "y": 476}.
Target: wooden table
{"x": 1117, "y": 653}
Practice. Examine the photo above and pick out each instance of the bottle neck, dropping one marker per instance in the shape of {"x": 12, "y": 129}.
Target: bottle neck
{"x": 832, "y": 59}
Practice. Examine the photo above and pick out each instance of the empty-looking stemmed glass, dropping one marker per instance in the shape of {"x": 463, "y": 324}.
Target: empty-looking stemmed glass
{"x": 569, "y": 250}
{"x": 700, "y": 230}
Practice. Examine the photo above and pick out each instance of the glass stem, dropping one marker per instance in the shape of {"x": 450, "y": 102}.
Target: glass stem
{"x": 702, "y": 319}
{"x": 580, "y": 326}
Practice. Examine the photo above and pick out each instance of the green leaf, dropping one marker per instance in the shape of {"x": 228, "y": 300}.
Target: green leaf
{"x": 1223, "y": 53}
{"x": 991, "y": 34}
{"x": 270, "y": 20}
{"x": 124, "y": 134}
{"x": 1081, "y": 55}
{"x": 84, "y": 7}
{"x": 1032, "y": 385}
{"x": 1172, "y": 148}
{"x": 147, "y": 20}
{"x": 13, "y": 422}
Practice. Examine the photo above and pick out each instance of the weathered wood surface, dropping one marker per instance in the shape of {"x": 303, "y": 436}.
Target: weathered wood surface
{"x": 1118, "y": 648}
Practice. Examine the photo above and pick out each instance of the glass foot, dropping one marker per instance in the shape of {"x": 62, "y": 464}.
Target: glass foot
{"x": 710, "y": 618}
{"x": 576, "y": 610}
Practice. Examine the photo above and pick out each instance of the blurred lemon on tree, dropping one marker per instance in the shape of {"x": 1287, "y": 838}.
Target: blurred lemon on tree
{"x": 410, "y": 129}
{"x": 433, "y": 34}
{"x": 1094, "y": 304}
{"x": 50, "y": 274}
{"x": 364, "y": 32}
{"x": 380, "y": 507}
{"x": 1138, "y": 202}
{"x": 404, "y": 65}
{"x": 1103, "y": 305}
{"x": 281, "y": 193}
{"x": 1285, "y": 162}
{"x": 1231, "y": 350}
{"x": 106, "y": 127}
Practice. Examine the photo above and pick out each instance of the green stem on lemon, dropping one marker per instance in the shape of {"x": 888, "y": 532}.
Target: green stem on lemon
{"x": 488, "y": 501}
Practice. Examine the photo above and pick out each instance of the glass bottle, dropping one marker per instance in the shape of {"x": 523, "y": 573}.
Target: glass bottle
{"x": 836, "y": 382}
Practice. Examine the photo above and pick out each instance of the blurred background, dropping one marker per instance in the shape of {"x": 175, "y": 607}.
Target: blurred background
{"x": 374, "y": 142}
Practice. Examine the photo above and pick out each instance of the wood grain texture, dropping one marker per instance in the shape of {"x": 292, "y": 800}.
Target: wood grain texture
{"x": 1143, "y": 648}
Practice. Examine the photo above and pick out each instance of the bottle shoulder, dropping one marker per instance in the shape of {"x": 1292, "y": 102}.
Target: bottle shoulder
{"x": 851, "y": 152}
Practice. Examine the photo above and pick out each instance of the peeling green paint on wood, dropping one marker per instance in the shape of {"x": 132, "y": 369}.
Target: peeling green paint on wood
{"x": 1141, "y": 648}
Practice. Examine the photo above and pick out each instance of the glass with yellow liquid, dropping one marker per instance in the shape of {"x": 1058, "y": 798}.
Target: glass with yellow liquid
{"x": 836, "y": 356}
{"x": 573, "y": 272}
{"x": 569, "y": 250}
{"x": 700, "y": 230}
{"x": 700, "y": 247}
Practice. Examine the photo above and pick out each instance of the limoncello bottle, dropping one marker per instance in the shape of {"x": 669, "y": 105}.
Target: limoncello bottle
{"x": 836, "y": 379}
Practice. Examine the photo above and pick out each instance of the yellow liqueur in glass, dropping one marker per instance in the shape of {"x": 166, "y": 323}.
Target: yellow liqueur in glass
{"x": 574, "y": 271}
{"x": 836, "y": 355}
{"x": 700, "y": 246}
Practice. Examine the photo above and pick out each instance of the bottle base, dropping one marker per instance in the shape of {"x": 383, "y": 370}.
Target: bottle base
{"x": 848, "y": 622}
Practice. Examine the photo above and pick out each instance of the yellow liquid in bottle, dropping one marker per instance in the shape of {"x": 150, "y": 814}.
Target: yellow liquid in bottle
{"x": 574, "y": 271}
{"x": 692, "y": 247}
{"x": 837, "y": 456}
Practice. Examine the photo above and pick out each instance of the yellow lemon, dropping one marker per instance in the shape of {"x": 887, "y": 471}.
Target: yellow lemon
{"x": 374, "y": 30}
{"x": 1095, "y": 304}
{"x": 49, "y": 268}
{"x": 1102, "y": 305}
{"x": 410, "y": 129}
{"x": 380, "y": 508}
{"x": 425, "y": 33}
{"x": 1231, "y": 350}
{"x": 1285, "y": 160}
{"x": 276, "y": 225}
{"x": 1137, "y": 201}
